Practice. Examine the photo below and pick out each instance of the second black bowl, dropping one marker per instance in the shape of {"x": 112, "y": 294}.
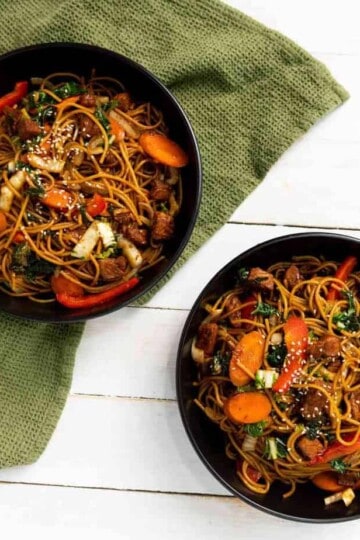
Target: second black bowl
{"x": 41, "y": 60}
{"x": 307, "y": 504}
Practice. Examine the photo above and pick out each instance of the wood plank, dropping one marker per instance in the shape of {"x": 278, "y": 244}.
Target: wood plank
{"x": 130, "y": 353}
{"x": 120, "y": 443}
{"x": 52, "y": 512}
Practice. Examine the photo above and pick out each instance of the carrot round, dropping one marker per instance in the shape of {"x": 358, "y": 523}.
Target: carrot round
{"x": 249, "y": 352}
{"x": 327, "y": 481}
{"x": 57, "y": 198}
{"x": 247, "y": 407}
{"x": 3, "y": 222}
{"x": 163, "y": 149}
{"x": 117, "y": 130}
{"x": 60, "y": 284}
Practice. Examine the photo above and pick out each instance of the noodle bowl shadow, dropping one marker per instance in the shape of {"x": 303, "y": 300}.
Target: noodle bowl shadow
{"x": 307, "y": 504}
{"x": 39, "y": 61}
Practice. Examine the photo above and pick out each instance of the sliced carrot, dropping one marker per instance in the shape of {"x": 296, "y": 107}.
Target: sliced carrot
{"x": 45, "y": 145}
{"x": 247, "y": 407}
{"x": 249, "y": 352}
{"x": 163, "y": 149}
{"x": 3, "y": 222}
{"x": 59, "y": 199}
{"x": 327, "y": 481}
{"x": 117, "y": 130}
{"x": 60, "y": 284}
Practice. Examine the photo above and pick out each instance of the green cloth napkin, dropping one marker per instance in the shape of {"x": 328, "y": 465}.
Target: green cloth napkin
{"x": 249, "y": 93}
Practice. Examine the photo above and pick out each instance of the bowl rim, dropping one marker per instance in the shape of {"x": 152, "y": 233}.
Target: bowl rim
{"x": 180, "y": 388}
{"x": 78, "y": 316}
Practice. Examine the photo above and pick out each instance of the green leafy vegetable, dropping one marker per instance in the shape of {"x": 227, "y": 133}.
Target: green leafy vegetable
{"x": 276, "y": 355}
{"x": 339, "y": 465}
{"x": 70, "y": 88}
{"x": 313, "y": 428}
{"x": 220, "y": 363}
{"x": 110, "y": 105}
{"x": 347, "y": 319}
{"x": 243, "y": 274}
{"x": 100, "y": 115}
{"x": 256, "y": 429}
{"x": 24, "y": 261}
{"x": 275, "y": 448}
{"x": 266, "y": 310}
{"x": 36, "y": 191}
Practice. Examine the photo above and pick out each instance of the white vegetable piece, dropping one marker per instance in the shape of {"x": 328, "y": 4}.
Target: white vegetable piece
{"x": 87, "y": 242}
{"x": 249, "y": 443}
{"x": 347, "y": 496}
{"x": 130, "y": 130}
{"x": 265, "y": 378}
{"x": 106, "y": 233}
{"x": 130, "y": 251}
{"x": 6, "y": 195}
{"x": 196, "y": 353}
{"x": 46, "y": 164}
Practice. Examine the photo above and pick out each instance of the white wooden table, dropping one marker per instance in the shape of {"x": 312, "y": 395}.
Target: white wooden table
{"x": 119, "y": 464}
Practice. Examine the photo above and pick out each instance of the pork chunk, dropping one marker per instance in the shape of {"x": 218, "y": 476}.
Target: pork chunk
{"x": 136, "y": 235}
{"x": 28, "y": 129}
{"x": 310, "y": 448}
{"x": 327, "y": 346}
{"x": 292, "y": 275}
{"x": 262, "y": 279}
{"x": 88, "y": 128}
{"x": 163, "y": 226}
{"x": 315, "y": 403}
{"x": 87, "y": 100}
{"x": 206, "y": 338}
{"x": 160, "y": 191}
{"x": 112, "y": 269}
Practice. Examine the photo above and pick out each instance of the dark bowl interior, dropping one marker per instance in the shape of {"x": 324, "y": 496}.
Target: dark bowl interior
{"x": 307, "y": 504}
{"x": 41, "y": 60}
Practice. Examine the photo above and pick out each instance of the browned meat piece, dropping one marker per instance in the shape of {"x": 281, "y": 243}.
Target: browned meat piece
{"x": 263, "y": 280}
{"x": 28, "y": 129}
{"x": 327, "y": 346}
{"x": 315, "y": 403}
{"x": 354, "y": 401}
{"x": 123, "y": 217}
{"x": 206, "y": 339}
{"x": 233, "y": 309}
{"x": 292, "y": 276}
{"x": 112, "y": 269}
{"x": 334, "y": 365}
{"x": 88, "y": 128}
{"x": 163, "y": 226}
{"x": 160, "y": 191}
{"x": 124, "y": 100}
{"x": 348, "y": 479}
{"x": 87, "y": 100}
{"x": 310, "y": 448}
{"x": 136, "y": 235}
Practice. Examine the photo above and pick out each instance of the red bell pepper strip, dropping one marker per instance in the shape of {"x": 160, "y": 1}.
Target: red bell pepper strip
{"x": 246, "y": 311}
{"x": 296, "y": 340}
{"x": 91, "y": 300}
{"x": 342, "y": 273}
{"x": 336, "y": 450}
{"x": 96, "y": 205}
{"x": 10, "y": 99}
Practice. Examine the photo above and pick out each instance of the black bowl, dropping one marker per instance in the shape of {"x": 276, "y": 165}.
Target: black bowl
{"x": 307, "y": 504}
{"x": 40, "y": 60}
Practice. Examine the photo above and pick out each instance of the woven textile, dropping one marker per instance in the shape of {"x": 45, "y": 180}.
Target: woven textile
{"x": 249, "y": 93}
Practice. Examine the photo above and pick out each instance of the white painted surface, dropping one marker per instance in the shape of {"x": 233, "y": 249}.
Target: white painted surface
{"x": 119, "y": 464}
